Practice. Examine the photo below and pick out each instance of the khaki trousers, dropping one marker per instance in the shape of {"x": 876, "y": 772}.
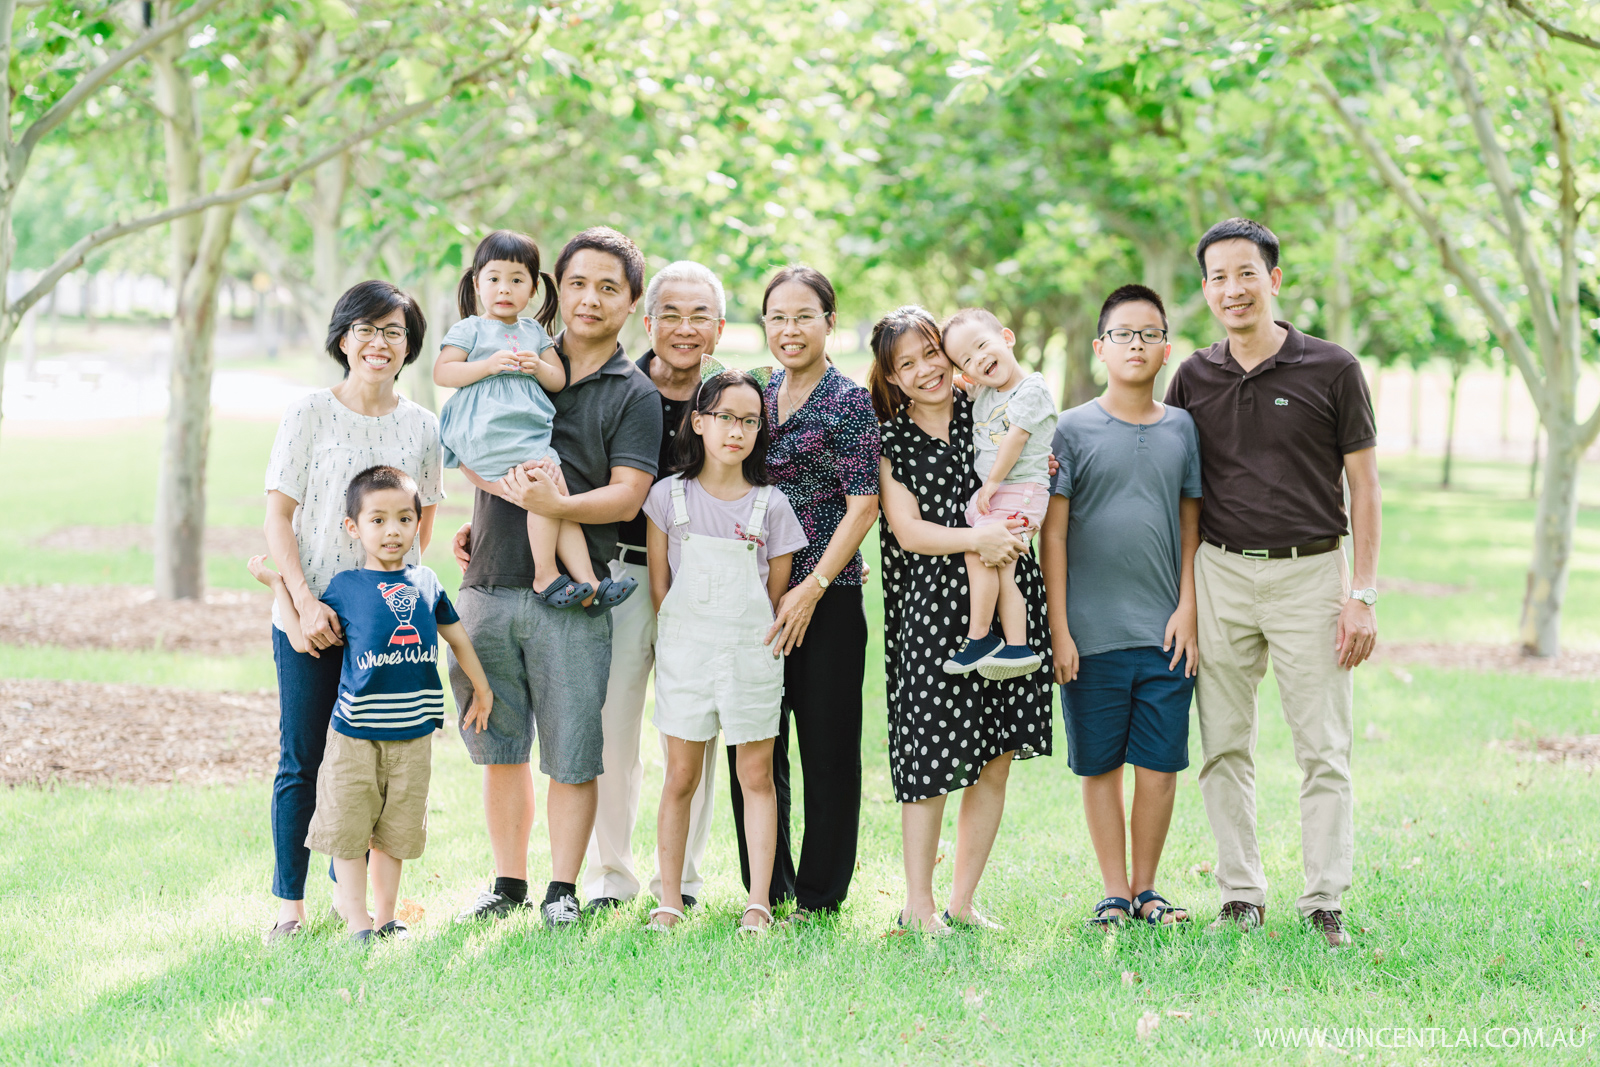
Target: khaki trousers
{"x": 1288, "y": 609}
{"x": 610, "y": 871}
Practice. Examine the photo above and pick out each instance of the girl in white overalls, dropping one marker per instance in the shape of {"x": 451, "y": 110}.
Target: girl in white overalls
{"x": 715, "y": 527}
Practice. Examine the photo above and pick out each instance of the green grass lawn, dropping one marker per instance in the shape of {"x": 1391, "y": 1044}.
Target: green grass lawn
{"x": 134, "y": 915}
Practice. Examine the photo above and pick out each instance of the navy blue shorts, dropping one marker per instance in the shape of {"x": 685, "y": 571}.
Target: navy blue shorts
{"x": 1126, "y": 707}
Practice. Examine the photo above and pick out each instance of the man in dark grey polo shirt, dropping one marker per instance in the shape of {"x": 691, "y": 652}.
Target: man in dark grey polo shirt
{"x": 548, "y": 666}
{"x": 1285, "y": 421}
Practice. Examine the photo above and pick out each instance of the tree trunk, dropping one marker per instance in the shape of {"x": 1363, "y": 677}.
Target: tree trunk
{"x": 1505, "y": 405}
{"x": 1077, "y": 378}
{"x": 1456, "y": 370}
{"x": 1341, "y": 319}
{"x": 325, "y": 212}
{"x": 1416, "y": 408}
{"x": 1533, "y": 468}
{"x": 1554, "y": 521}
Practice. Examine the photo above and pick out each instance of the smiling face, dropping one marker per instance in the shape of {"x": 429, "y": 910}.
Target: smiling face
{"x": 1135, "y": 362}
{"x": 797, "y": 328}
{"x": 983, "y": 352}
{"x": 379, "y": 360}
{"x": 386, "y": 527}
{"x": 921, "y": 369}
{"x": 504, "y": 289}
{"x": 683, "y": 344}
{"x": 1238, "y": 286}
{"x": 594, "y": 296}
{"x": 728, "y": 441}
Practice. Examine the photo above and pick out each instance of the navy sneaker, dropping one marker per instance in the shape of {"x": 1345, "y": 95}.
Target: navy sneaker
{"x": 974, "y": 651}
{"x": 1009, "y": 661}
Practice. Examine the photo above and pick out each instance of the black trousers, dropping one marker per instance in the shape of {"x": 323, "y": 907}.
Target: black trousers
{"x": 822, "y": 681}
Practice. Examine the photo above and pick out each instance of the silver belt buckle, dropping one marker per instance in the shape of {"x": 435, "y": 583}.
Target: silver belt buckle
{"x": 1255, "y": 553}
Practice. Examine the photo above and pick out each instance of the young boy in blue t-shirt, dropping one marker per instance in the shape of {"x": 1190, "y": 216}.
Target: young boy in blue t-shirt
{"x": 372, "y": 788}
{"x": 1117, "y": 549}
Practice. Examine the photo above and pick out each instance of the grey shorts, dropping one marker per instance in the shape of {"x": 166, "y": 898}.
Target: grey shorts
{"x": 548, "y": 669}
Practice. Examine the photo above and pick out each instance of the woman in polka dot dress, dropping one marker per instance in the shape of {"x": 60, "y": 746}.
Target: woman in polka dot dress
{"x": 946, "y": 732}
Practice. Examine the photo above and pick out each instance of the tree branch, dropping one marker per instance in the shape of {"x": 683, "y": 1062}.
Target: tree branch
{"x": 1395, "y": 178}
{"x": 73, "y": 257}
{"x": 1549, "y": 27}
{"x": 1541, "y": 308}
{"x": 91, "y": 83}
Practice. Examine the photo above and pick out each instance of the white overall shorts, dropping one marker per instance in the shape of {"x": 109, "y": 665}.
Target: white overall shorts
{"x": 712, "y": 670}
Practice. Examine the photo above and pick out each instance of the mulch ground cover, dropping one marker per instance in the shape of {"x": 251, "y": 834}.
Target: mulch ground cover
{"x": 226, "y": 622}
{"x": 133, "y": 734}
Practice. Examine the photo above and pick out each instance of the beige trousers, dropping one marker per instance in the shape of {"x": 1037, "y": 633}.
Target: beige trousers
{"x": 610, "y": 871}
{"x": 1288, "y": 609}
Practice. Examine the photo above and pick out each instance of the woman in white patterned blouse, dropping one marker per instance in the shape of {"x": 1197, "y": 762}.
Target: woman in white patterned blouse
{"x": 324, "y": 440}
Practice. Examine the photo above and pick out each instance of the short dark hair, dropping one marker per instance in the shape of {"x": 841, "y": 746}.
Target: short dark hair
{"x": 810, "y": 277}
{"x": 376, "y": 479}
{"x": 1129, "y": 294}
{"x": 612, "y": 242}
{"x": 691, "y": 449}
{"x": 1240, "y": 229}
{"x": 367, "y": 302}
{"x": 511, "y": 247}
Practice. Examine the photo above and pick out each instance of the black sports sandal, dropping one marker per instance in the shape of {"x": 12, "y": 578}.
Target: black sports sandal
{"x": 1157, "y": 916}
{"x": 1106, "y": 922}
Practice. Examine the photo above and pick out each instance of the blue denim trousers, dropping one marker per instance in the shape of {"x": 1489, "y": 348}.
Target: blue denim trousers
{"x": 308, "y": 687}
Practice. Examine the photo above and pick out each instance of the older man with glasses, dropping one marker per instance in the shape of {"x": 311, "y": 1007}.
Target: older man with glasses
{"x": 684, "y": 310}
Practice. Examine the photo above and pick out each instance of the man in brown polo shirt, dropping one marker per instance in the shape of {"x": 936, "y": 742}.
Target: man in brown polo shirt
{"x": 1285, "y": 420}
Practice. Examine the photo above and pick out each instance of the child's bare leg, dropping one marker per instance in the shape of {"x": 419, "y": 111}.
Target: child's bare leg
{"x": 1013, "y": 609}
{"x": 487, "y": 487}
{"x": 384, "y": 870}
{"x": 350, "y": 892}
{"x": 760, "y": 823}
{"x": 574, "y": 549}
{"x": 543, "y": 534}
{"x": 983, "y": 585}
{"x": 684, "y": 759}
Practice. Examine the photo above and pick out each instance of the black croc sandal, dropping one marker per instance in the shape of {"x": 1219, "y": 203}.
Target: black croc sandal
{"x": 564, "y": 592}
{"x": 1163, "y": 908}
{"x": 1104, "y": 921}
{"x": 612, "y": 592}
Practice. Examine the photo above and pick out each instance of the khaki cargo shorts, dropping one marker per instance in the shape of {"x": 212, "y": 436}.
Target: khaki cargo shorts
{"x": 372, "y": 794}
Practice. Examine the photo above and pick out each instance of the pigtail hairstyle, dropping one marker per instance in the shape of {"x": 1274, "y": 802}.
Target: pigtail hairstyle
{"x": 888, "y": 399}
{"x": 690, "y": 448}
{"x": 512, "y": 247}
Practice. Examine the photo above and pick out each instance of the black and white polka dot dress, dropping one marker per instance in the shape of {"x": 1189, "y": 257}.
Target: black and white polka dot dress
{"x": 944, "y": 728}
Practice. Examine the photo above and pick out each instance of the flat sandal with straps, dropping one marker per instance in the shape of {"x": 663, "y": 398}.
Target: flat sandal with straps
{"x": 745, "y": 928}
{"x": 1163, "y": 908}
{"x": 660, "y": 927}
{"x": 1106, "y": 922}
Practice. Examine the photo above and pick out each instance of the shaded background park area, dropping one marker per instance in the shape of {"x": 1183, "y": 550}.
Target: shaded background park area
{"x": 1429, "y": 170}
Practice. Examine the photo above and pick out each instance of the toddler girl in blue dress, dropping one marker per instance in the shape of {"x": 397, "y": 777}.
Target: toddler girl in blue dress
{"x": 504, "y": 367}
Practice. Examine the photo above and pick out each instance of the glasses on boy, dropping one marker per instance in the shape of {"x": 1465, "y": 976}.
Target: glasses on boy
{"x": 1151, "y": 336}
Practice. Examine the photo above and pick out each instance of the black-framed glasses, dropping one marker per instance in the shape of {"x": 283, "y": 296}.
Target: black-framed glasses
{"x": 672, "y": 322}
{"x": 726, "y": 419}
{"x": 366, "y": 332}
{"x": 1151, "y": 336}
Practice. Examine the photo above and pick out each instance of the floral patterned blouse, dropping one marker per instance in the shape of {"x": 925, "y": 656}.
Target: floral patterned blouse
{"x": 828, "y": 450}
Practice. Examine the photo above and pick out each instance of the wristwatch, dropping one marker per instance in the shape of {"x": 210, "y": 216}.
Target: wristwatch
{"x": 820, "y": 579}
{"x": 1368, "y": 597}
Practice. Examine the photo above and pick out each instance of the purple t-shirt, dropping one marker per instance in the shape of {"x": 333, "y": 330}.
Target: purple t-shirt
{"x": 781, "y": 533}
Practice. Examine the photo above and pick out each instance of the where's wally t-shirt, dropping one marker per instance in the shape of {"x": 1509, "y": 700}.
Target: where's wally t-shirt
{"x": 389, "y": 688}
